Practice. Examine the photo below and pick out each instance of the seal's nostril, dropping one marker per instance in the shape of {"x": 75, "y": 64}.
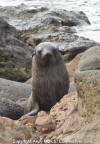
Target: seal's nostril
{"x": 48, "y": 55}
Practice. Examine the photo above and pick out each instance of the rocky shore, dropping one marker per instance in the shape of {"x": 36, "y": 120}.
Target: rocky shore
{"x": 76, "y": 117}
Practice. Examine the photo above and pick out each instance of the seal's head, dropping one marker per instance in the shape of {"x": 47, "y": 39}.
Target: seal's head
{"x": 47, "y": 54}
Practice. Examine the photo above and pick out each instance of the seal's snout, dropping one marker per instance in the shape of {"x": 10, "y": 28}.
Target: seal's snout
{"x": 46, "y": 56}
{"x": 47, "y": 53}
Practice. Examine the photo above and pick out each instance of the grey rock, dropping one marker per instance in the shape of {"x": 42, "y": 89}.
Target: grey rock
{"x": 87, "y": 80}
{"x": 57, "y": 26}
{"x": 90, "y": 60}
{"x": 14, "y": 90}
{"x": 71, "y": 18}
{"x": 10, "y": 109}
{"x": 12, "y": 131}
{"x": 22, "y": 102}
{"x": 15, "y": 56}
{"x": 39, "y": 15}
{"x": 49, "y": 25}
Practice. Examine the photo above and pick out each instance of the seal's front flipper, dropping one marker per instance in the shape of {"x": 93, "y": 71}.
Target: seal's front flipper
{"x": 34, "y": 111}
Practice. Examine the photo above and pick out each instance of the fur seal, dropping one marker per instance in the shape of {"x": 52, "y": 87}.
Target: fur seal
{"x": 50, "y": 79}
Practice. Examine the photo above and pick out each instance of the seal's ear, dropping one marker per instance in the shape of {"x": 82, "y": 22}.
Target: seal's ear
{"x": 33, "y": 53}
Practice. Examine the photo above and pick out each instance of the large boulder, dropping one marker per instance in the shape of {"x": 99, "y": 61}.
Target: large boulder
{"x": 87, "y": 79}
{"x": 13, "y": 98}
{"x": 72, "y": 66}
{"x": 10, "y": 109}
{"x": 13, "y": 132}
{"x": 90, "y": 134}
{"x": 14, "y": 90}
{"x": 15, "y": 56}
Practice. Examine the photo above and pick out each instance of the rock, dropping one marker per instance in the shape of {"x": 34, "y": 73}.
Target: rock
{"x": 13, "y": 132}
{"x": 90, "y": 60}
{"x": 55, "y": 16}
{"x": 37, "y": 9}
{"x": 19, "y": 16}
{"x": 65, "y": 117}
{"x": 72, "y": 66}
{"x": 70, "y": 125}
{"x": 10, "y": 109}
{"x": 68, "y": 43}
{"x": 22, "y": 102}
{"x": 87, "y": 79}
{"x": 13, "y": 98}
{"x": 64, "y": 17}
{"x": 60, "y": 114}
{"x": 28, "y": 121}
{"x": 62, "y": 109}
{"x": 44, "y": 123}
{"x": 56, "y": 26}
{"x": 50, "y": 25}
{"x": 29, "y": 81}
{"x": 90, "y": 134}
{"x": 15, "y": 56}
{"x": 72, "y": 87}
{"x": 75, "y": 46}
{"x": 14, "y": 90}
{"x": 71, "y": 18}
{"x": 51, "y": 124}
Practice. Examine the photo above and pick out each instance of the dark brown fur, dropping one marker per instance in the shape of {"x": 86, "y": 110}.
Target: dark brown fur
{"x": 50, "y": 80}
